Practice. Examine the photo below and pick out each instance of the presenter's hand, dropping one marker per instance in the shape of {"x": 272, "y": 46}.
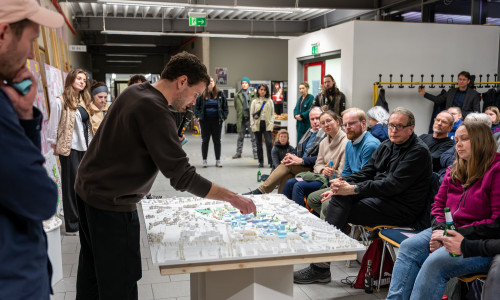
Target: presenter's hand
{"x": 244, "y": 204}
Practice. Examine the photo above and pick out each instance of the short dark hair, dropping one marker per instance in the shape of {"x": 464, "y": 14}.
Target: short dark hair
{"x": 404, "y": 111}
{"x": 18, "y": 27}
{"x": 267, "y": 90}
{"x": 136, "y": 78}
{"x": 186, "y": 64}
{"x": 464, "y": 73}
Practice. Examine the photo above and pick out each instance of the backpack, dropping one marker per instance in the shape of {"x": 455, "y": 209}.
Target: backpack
{"x": 374, "y": 253}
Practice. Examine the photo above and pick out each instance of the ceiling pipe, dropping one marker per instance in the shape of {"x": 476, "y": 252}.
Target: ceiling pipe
{"x": 59, "y": 9}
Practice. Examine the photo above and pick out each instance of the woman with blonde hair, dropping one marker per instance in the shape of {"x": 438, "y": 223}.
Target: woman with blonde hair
{"x": 470, "y": 190}
{"x": 69, "y": 133}
{"x": 494, "y": 114}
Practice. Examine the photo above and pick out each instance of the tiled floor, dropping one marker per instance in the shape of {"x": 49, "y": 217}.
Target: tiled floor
{"x": 238, "y": 175}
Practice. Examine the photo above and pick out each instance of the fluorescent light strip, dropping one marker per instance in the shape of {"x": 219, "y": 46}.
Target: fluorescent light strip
{"x": 127, "y": 55}
{"x": 203, "y": 6}
{"x": 128, "y": 45}
{"x": 206, "y": 34}
{"x": 124, "y": 61}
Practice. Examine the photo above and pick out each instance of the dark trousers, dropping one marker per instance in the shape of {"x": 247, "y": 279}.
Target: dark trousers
{"x": 297, "y": 190}
{"x": 367, "y": 211}
{"x": 109, "y": 265}
{"x": 69, "y": 167}
{"x": 210, "y": 128}
{"x": 268, "y": 136}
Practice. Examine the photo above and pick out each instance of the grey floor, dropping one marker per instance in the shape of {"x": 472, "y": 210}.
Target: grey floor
{"x": 239, "y": 175}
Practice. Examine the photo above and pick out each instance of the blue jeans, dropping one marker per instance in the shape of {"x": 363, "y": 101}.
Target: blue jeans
{"x": 297, "y": 190}
{"x": 419, "y": 274}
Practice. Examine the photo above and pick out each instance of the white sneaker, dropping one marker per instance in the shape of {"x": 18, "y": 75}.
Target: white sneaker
{"x": 205, "y": 164}
{"x": 218, "y": 164}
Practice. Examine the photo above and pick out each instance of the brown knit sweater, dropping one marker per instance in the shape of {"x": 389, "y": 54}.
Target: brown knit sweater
{"x": 137, "y": 138}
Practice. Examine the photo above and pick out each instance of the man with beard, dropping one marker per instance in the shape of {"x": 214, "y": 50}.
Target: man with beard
{"x": 330, "y": 97}
{"x": 137, "y": 139}
{"x": 28, "y": 194}
{"x": 438, "y": 142}
{"x": 358, "y": 152}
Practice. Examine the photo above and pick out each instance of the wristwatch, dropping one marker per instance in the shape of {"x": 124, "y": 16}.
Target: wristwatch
{"x": 356, "y": 189}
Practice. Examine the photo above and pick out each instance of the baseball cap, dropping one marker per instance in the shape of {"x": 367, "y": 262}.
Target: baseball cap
{"x": 12, "y": 11}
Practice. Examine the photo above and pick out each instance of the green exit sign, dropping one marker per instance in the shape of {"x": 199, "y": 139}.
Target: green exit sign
{"x": 315, "y": 49}
{"x": 197, "y": 21}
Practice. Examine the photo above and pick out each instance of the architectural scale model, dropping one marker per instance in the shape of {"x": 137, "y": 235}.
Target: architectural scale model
{"x": 193, "y": 229}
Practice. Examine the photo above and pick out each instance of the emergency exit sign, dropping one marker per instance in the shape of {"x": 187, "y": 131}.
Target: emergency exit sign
{"x": 197, "y": 19}
{"x": 315, "y": 49}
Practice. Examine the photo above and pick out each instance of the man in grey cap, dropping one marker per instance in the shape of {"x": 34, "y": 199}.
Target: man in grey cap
{"x": 242, "y": 102}
{"x": 28, "y": 195}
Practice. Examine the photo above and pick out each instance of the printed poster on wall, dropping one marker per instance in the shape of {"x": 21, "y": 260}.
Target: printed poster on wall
{"x": 54, "y": 82}
{"x": 53, "y": 171}
{"x": 221, "y": 74}
{"x": 40, "y": 102}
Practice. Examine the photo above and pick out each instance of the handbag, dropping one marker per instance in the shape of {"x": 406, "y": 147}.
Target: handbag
{"x": 256, "y": 114}
{"x": 374, "y": 253}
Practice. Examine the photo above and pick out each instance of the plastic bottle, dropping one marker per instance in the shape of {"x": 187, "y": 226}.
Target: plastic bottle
{"x": 449, "y": 225}
{"x": 259, "y": 176}
{"x": 369, "y": 278}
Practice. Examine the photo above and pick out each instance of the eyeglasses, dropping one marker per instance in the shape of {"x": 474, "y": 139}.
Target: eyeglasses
{"x": 437, "y": 120}
{"x": 397, "y": 127}
{"x": 350, "y": 124}
{"x": 328, "y": 121}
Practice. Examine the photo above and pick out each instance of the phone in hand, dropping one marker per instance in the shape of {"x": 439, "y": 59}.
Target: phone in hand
{"x": 23, "y": 87}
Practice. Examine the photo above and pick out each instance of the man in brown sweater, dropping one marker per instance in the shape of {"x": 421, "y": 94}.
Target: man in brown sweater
{"x": 137, "y": 138}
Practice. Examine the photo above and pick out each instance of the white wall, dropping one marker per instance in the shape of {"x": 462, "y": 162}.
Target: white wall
{"x": 340, "y": 37}
{"x": 369, "y": 48}
{"x": 418, "y": 48}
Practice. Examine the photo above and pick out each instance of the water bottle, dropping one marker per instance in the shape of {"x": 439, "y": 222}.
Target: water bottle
{"x": 259, "y": 176}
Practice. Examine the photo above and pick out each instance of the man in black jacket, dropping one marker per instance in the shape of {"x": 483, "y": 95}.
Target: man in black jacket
{"x": 389, "y": 190}
{"x": 330, "y": 98}
{"x": 464, "y": 97}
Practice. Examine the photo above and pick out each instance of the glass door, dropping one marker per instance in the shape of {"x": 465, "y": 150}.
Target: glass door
{"x": 313, "y": 74}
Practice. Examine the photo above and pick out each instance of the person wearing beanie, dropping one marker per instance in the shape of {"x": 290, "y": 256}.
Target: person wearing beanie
{"x": 242, "y": 102}
{"x": 28, "y": 194}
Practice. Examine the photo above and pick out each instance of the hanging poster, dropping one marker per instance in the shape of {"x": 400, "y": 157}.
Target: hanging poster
{"x": 54, "y": 82}
{"x": 40, "y": 102}
{"x": 53, "y": 171}
{"x": 221, "y": 74}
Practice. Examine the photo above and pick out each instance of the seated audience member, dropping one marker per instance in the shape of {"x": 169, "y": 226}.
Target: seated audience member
{"x": 281, "y": 147}
{"x": 463, "y": 96}
{"x": 301, "y": 159}
{"x": 494, "y": 114}
{"x": 471, "y": 190}
{"x": 377, "y": 119}
{"x": 138, "y": 78}
{"x": 456, "y": 112}
{"x": 358, "y": 151}
{"x": 438, "y": 142}
{"x": 448, "y": 157}
{"x": 390, "y": 189}
{"x": 329, "y": 163}
{"x": 98, "y": 104}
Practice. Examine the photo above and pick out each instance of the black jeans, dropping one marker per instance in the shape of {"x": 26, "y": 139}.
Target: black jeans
{"x": 109, "y": 265}
{"x": 69, "y": 167}
{"x": 210, "y": 128}
{"x": 268, "y": 136}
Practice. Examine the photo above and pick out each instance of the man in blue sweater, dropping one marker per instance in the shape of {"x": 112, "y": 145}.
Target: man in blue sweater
{"x": 358, "y": 152}
{"x": 28, "y": 195}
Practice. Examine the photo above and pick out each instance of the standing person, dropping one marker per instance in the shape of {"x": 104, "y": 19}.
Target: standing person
{"x": 330, "y": 97}
{"x": 137, "y": 78}
{"x": 378, "y": 118}
{"x": 281, "y": 148}
{"x": 98, "y": 105}
{"x": 262, "y": 123}
{"x": 69, "y": 133}
{"x": 242, "y": 102}
{"x": 301, "y": 111}
{"x": 494, "y": 114}
{"x": 211, "y": 110}
{"x": 463, "y": 97}
{"x": 456, "y": 112}
{"x": 119, "y": 169}
{"x": 471, "y": 190}
{"x": 28, "y": 194}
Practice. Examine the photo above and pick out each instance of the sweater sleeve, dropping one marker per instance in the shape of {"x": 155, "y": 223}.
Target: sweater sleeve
{"x": 320, "y": 160}
{"x": 27, "y": 190}
{"x": 437, "y": 207}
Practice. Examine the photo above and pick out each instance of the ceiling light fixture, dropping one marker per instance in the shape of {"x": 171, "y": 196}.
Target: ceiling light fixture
{"x": 127, "y": 55}
{"x": 124, "y": 61}
{"x": 128, "y": 45}
{"x": 201, "y": 34}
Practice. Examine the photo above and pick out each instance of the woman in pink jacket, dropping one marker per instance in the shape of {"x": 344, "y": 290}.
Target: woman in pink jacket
{"x": 471, "y": 189}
